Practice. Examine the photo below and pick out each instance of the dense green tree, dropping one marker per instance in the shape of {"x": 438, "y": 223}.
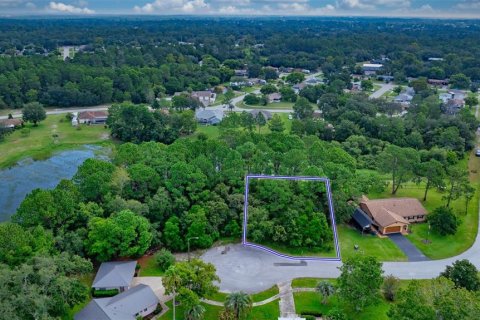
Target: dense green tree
{"x": 34, "y": 112}
{"x": 400, "y": 163}
{"x": 268, "y": 88}
{"x": 360, "y": 281}
{"x": 302, "y": 109}
{"x": 295, "y": 77}
{"x": 367, "y": 85}
{"x": 125, "y": 234}
{"x": 443, "y": 221}
{"x": 459, "y": 81}
{"x": 464, "y": 274}
{"x": 164, "y": 259}
{"x": 434, "y": 174}
{"x": 276, "y": 124}
{"x": 93, "y": 179}
{"x": 43, "y": 287}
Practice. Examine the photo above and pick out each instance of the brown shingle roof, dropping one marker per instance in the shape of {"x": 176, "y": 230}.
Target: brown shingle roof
{"x": 388, "y": 211}
{"x": 92, "y": 114}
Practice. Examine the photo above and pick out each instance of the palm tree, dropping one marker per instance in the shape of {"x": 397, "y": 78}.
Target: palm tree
{"x": 239, "y": 303}
{"x": 196, "y": 312}
{"x": 325, "y": 289}
{"x": 172, "y": 281}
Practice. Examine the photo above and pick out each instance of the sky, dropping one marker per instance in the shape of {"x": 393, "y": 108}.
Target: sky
{"x": 381, "y": 8}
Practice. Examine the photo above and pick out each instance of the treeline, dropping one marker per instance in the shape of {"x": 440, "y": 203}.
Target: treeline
{"x": 135, "y": 60}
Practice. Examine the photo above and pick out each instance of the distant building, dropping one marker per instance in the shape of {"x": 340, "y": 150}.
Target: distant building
{"x": 274, "y": 97}
{"x": 435, "y": 59}
{"x": 92, "y": 117}
{"x": 371, "y": 68}
{"x": 241, "y": 73}
{"x": 438, "y": 83}
{"x": 11, "y": 123}
{"x": 299, "y": 87}
{"x": 205, "y": 97}
{"x": 266, "y": 114}
{"x": 403, "y": 98}
{"x": 138, "y": 302}
{"x": 209, "y": 117}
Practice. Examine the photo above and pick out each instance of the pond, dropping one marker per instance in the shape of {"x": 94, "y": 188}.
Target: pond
{"x": 18, "y": 181}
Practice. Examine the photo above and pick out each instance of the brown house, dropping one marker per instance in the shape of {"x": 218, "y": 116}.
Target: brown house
{"x": 395, "y": 214}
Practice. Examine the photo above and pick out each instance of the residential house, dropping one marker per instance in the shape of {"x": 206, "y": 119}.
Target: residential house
{"x": 137, "y": 302}
{"x": 299, "y": 87}
{"x": 393, "y": 215}
{"x": 11, "y": 123}
{"x": 241, "y": 73}
{"x": 438, "y": 83}
{"x": 205, "y": 97}
{"x": 92, "y": 117}
{"x": 209, "y": 117}
{"x": 403, "y": 98}
{"x": 115, "y": 275}
{"x": 453, "y": 106}
{"x": 274, "y": 97}
{"x": 306, "y": 71}
{"x": 371, "y": 68}
{"x": 312, "y": 81}
{"x": 266, "y": 114}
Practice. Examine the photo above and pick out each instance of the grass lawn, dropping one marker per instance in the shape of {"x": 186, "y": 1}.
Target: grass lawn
{"x": 148, "y": 267}
{"x": 310, "y": 301}
{"x": 301, "y": 252}
{"x": 269, "y": 311}
{"x": 53, "y": 134}
{"x": 440, "y": 246}
{"x": 382, "y": 248}
{"x": 212, "y": 132}
{"x": 266, "y": 312}
{"x": 211, "y": 312}
{"x": 308, "y": 282}
{"x": 257, "y": 297}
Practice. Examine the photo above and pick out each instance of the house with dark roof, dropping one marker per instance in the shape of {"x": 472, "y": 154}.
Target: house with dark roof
{"x": 115, "y": 275}
{"x": 393, "y": 215}
{"x": 139, "y": 301}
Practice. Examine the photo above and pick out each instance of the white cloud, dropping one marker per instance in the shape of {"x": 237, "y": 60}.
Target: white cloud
{"x": 371, "y": 4}
{"x": 172, "y": 6}
{"x": 295, "y": 6}
{"x": 11, "y": 3}
{"x": 30, "y": 5}
{"x": 67, "y": 8}
{"x": 469, "y": 5}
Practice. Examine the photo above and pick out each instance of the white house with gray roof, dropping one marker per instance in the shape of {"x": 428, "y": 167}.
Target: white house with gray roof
{"x": 211, "y": 117}
{"x": 115, "y": 275}
{"x": 138, "y": 301}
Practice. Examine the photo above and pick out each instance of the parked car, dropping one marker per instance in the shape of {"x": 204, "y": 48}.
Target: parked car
{"x": 477, "y": 153}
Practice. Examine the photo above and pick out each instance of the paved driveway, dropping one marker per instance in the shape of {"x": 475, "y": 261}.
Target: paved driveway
{"x": 412, "y": 252}
{"x": 155, "y": 283}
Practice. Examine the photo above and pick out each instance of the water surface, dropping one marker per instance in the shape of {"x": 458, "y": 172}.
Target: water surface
{"x": 18, "y": 181}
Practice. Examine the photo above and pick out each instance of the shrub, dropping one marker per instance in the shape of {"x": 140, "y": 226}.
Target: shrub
{"x": 336, "y": 314}
{"x": 158, "y": 309}
{"x": 309, "y": 317}
{"x": 164, "y": 259}
{"x": 390, "y": 287}
{"x": 313, "y": 313}
{"x": 443, "y": 221}
{"x": 104, "y": 293}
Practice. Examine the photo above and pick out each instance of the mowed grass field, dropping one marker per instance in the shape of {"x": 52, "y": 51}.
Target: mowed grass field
{"x": 53, "y": 134}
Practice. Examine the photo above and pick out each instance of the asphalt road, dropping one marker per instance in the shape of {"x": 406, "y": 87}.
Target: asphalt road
{"x": 385, "y": 87}
{"x": 64, "y": 110}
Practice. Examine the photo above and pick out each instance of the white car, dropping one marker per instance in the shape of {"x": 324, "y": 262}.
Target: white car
{"x": 477, "y": 152}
